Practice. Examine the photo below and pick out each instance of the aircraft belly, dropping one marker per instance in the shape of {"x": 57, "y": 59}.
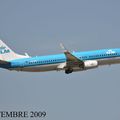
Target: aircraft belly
{"x": 39, "y": 68}
{"x": 109, "y": 61}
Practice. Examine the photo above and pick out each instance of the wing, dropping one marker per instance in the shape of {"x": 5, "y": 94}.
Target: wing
{"x": 72, "y": 61}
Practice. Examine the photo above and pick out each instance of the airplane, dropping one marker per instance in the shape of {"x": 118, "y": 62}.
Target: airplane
{"x": 67, "y": 61}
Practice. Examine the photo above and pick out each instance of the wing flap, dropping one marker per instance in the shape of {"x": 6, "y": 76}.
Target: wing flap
{"x": 61, "y": 66}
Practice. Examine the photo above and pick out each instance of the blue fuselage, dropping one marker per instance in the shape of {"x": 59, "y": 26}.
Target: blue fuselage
{"x": 104, "y": 54}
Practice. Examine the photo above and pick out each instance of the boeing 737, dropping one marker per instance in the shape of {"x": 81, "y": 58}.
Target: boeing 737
{"x": 68, "y": 61}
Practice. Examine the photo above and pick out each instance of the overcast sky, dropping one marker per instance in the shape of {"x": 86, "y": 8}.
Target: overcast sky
{"x": 37, "y": 27}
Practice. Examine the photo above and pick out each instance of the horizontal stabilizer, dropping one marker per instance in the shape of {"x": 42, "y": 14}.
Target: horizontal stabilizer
{"x": 5, "y": 64}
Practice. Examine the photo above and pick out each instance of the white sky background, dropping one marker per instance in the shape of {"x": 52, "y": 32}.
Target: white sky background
{"x": 37, "y": 27}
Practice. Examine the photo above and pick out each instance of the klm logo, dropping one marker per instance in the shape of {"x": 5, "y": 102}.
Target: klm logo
{"x": 4, "y": 50}
{"x": 110, "y": 52}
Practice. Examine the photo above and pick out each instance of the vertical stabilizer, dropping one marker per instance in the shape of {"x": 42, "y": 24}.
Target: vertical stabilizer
{"x": 6, "y": 54}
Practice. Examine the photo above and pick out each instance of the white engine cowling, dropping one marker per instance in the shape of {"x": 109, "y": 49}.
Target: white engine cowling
{"x": 90, "y": 64}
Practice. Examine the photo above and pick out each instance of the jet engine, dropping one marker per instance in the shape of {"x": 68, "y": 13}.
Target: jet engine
{"x": 90, "y": 64}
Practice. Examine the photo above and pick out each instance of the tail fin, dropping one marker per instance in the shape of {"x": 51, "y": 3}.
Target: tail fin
{"x": 6, "y": 54}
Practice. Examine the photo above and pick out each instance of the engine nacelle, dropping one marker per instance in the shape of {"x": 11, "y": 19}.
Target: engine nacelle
{"x": 90, "y": 64}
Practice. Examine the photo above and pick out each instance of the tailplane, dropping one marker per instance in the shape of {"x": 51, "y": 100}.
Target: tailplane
{"x": 6, "y": 54}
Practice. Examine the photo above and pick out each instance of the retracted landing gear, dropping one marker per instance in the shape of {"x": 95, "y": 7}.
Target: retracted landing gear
{"x": 68, "y": 71}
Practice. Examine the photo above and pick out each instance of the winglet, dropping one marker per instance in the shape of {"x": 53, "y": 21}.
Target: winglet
{"x": 63, "y": 47}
